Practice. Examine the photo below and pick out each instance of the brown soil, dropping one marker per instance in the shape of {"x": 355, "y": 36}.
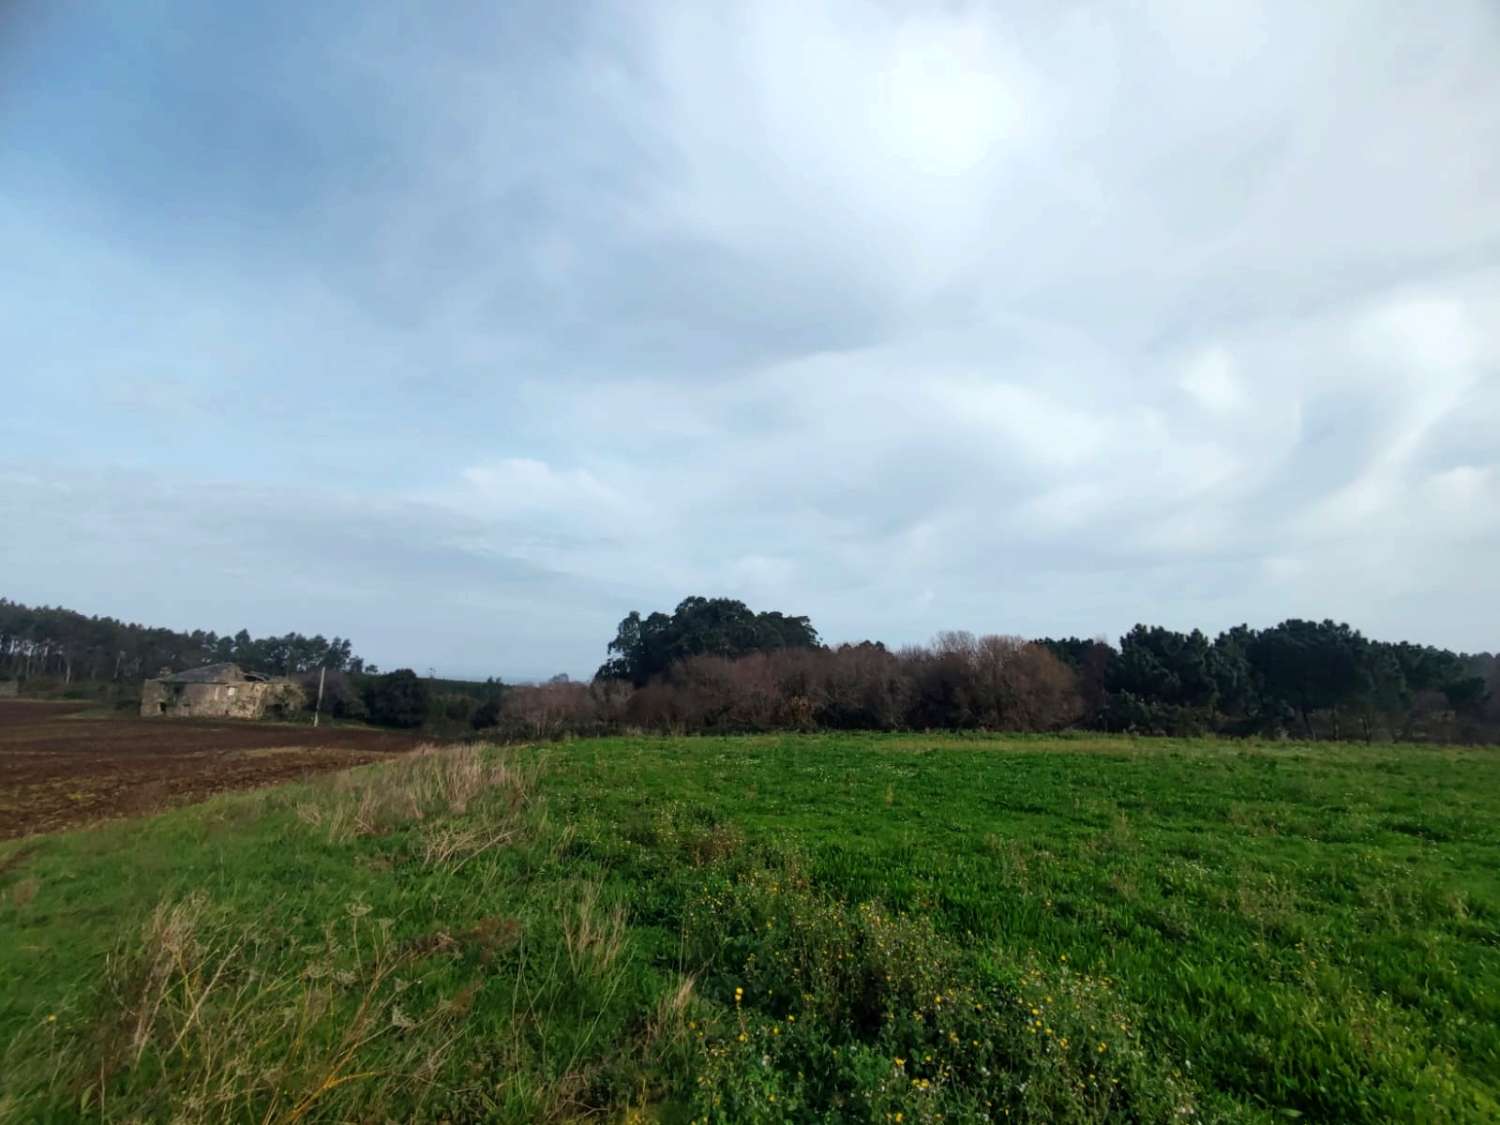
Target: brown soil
{"x": 61, "y": 766}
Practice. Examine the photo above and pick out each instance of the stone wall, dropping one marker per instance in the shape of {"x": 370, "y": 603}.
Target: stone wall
{"x": 220, "y": 701}
{"x": 9, "y": 689}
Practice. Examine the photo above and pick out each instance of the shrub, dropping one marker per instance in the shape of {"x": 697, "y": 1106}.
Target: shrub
{"x": 487, "y": 715}
{"x": 397, "y": 699}
{"x": 341, "y": 696}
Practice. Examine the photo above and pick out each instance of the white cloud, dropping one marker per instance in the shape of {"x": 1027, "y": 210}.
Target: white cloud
{"x": 1211, "y": 381}
{"x": 829, "y": 139}
{"x": 515, "y": 485}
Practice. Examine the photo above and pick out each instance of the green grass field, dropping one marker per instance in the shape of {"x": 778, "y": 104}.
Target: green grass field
{"x": 840, "y": 928}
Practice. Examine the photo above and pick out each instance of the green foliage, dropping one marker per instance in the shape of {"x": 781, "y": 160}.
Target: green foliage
{"x": 1137, "y": 714}
{"x": 1311, "y": 666}
{"x": 487, "y": 715}
{"x": 343, "y": 696}
{"x": 916, "y": 926}
{"x": 1167, "y": 667}
{"x": 1467, "y": 694}
{"x": 699, "y": 626}
{"x": 857, "y": 1014}
{"x": 41, "y": 641}
{"x": 1324, "y": 679}
{"x": 397, "y": 699}
{"x": 713, "y": 666}
{"x": 1266, "y": 918}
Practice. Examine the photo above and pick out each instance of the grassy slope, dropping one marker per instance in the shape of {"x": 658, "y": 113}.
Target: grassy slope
{"x": 1085, "y": 929}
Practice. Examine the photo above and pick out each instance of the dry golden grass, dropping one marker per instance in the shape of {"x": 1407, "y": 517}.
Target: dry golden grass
{"x": 433, "y": 782}
{"x": 192, "y": 994}
{"x": 24, "y": 891}
{"x": 593, "y": 934}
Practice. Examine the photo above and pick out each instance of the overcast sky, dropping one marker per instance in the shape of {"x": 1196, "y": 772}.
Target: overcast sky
{"x": 463, "y": 330}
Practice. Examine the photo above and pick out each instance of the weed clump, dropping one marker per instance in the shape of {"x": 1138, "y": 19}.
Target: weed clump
{"x": 851, "y": 1011}
{"x": 432, "y": 782}
{"x": 204, "y": 1018}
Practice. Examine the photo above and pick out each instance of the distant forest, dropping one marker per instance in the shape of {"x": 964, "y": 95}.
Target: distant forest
{"x": 57, "y": 643}
{"x": 713, "y": 665}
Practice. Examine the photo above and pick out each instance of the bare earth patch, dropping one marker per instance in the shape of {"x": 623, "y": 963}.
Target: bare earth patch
{"x": 59, "y": 767}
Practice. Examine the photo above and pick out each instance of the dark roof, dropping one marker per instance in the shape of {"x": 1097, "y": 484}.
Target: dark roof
{"x": 215, "y": 674}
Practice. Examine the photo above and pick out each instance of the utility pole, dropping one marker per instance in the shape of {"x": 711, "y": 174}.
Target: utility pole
{"x": 318, "y": 709}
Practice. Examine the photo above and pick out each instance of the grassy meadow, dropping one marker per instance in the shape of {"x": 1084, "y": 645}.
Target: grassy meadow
{"x": 839, "y": 928}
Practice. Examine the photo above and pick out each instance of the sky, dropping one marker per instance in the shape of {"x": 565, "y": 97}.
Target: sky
{"x": 464, "y": 330}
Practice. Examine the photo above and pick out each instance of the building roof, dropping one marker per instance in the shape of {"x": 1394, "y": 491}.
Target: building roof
{"x": 215, "y": 674}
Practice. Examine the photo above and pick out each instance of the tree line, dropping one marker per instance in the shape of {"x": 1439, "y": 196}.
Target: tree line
{"x": 714, "y": 665}
{"x": 1318, "y": 679}
{"x": 47, "y": 642}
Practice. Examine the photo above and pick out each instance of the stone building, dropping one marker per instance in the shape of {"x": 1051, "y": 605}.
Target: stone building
{"x": 220, "y": 691}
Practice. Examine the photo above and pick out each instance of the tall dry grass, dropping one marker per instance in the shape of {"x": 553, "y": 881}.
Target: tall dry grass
{"x": 234, "y": 1028}
{"x": 593, "y": 934}
{"x": 431, "y": 783}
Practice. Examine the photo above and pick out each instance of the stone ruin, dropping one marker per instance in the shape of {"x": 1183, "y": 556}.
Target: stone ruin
{"x": 220, "y": 691}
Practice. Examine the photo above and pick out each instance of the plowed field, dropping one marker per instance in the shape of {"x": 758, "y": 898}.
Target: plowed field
{"x": 60, "y": 766}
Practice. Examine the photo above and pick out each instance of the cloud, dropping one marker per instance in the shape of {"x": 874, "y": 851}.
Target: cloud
{"x": 839, "y": 139}
{"x": 1210, "y": 379}
{"x": 466, "y": 338}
